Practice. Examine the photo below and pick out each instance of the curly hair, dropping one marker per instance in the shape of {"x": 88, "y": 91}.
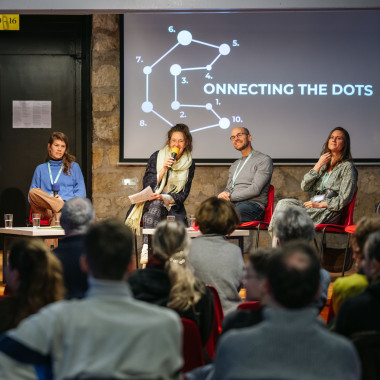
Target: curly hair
{"x": 67, "y": 158}
{"x": 345, "y": 154}
{"x": 171, "y": 243}
{"x": 40, "y": 277}
{"x": 217, "y": 216}
{"x": 184, "y": 129}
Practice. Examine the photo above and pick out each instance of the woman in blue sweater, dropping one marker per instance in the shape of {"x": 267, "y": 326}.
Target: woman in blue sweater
{"x": 57, "y": 180}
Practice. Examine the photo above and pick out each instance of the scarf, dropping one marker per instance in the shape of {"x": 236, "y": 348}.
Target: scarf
{"x": 175, "y": 183}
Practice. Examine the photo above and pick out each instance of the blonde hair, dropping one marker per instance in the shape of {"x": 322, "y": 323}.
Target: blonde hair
{"x": 171, "y": 243}
{"x": 41, "y": 277}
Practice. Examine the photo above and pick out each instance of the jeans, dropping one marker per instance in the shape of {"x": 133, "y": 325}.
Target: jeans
{"x": 249, "y": 211}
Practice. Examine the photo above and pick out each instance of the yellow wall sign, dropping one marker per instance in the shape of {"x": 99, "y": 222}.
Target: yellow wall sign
{"x": 9, "y": 22}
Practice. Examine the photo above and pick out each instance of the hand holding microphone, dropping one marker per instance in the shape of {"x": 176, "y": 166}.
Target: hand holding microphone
{"x": 173, "y": 154}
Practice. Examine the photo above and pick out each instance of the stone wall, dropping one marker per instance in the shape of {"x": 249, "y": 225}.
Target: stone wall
{"x": 110, "y": 195}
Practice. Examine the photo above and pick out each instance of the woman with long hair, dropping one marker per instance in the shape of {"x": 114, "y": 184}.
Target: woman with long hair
{"x": 332, "y": 182}
{"x": 170, "y": 179}
{"x": 57, "y": 180}
{"x": 34, "y": 278}
{"x": 168, "y": 280}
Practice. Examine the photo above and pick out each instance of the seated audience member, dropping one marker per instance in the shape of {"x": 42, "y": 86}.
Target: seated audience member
{"x": 362, "y": 313}
{"x": 254, "y": 283}
{"x": 350, "y": 286}
{"x": 294, "y": 223}
{"x": 216, "y": 261}
{"x": 77, "y": 216}
{"x": 34, "y": 277}
{"x": 108, "y": 334}
{"x": 57, "y": 180}
{"x": 168, "y": 279}
{"x": 290, "y": 343}
{"x": 248, "y": 178}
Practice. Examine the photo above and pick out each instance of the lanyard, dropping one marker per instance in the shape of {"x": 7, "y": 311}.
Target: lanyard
{"x": 325, "y": 179}
{"x": 237, "y": 170}
{"x": 56, "y": 178}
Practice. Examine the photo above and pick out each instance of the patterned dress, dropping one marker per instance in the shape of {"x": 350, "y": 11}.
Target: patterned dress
{"x": 343, "y": 180}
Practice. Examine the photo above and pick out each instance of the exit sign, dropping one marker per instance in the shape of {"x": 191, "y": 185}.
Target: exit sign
{"x": 9, "y": 22}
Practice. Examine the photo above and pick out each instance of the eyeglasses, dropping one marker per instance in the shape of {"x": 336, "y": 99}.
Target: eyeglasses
{"x": 232, "y": 138}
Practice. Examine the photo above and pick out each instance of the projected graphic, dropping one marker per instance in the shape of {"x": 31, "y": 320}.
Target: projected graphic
{"x": 185, "y": 38}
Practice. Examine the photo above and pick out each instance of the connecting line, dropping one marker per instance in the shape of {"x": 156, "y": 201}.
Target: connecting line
{"x": 162, "y": 118}
{"x": 201, "y": 129}
{"x": 175, "y": 88}
{"x": 194, "y": 68}
{"x": 212, "y": 110}
{"x": 192, "y": 105}
{"x": 215, "y": 60}
{"x": 205, "y": 43}
{"x": 147, "y": 87}
{"x": 169, "y": 51}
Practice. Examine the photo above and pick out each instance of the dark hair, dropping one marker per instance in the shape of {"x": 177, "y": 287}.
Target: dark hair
{"x": 294, "y": 286}
{"x": 67, "y": 158}
{"x": 345, "y": 154}
{"x": 40, "y": 277}
{"x": 365, "y": 226}
{"x": 260, "y": 258}
{"x": 217, "y": 216}
{"x": 183, "y": 128}
{"x": 372, "y": 246}
{"x": 109, "y": 247}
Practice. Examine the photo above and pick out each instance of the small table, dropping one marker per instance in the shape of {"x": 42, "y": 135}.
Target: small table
{"x": 17, "y": 232}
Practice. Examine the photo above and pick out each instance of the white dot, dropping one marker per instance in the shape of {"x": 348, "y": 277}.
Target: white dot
{"x": 224, "y": 123}
{"x": 184, "y": 37}
{"x": 224, "y": 49}
{"x": 147, "y": 107}
{"x": 147, "y": 70}
{"x": 208, "y": 106}
{"x": 175, "y": 105}
{"x": 175, "y": 69}
{"x": 208, "y": 67}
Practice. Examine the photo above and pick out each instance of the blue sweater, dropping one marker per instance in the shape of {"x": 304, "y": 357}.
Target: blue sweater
{"x": 71, "y": 186}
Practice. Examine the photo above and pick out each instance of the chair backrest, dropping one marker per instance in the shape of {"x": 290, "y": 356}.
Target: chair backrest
{"x": 218, "y": 307}
{"x": 348, "y": 213}
{"x": 249, "y": 305}
{"x": 269, "y": 209}
{"x": 192, "y": 350}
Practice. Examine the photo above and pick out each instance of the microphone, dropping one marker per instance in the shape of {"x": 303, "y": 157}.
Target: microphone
{"x": 56, "y": 188}
{"x": 174, "y": 153}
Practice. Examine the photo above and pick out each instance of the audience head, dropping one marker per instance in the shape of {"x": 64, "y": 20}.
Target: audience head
{"x": 171, "y": 243}
{"x": 256, "y": 273}
{"x": 294, "y": 224}
{"x": 34, "y": 276}
{"x": 293, "y": 275}
{"x": 109, "y": 247}
{"x": 365, "y": 227}
{"x": 217, "y": 216}
{"x": 371, "y": 261}
{"x": 77, "y": 216}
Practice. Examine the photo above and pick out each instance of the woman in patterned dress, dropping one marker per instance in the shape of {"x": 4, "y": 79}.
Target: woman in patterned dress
{"x": 332, "y": 182}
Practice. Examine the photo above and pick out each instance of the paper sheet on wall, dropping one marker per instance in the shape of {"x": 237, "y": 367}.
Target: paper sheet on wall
{"x": 31, "y": 113}
{"x": 142, "y": 196}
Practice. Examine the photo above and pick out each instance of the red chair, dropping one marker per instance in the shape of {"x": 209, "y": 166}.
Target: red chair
{"x": 249, "y": 305}
{"x": 43, "y": 222}
{"x": 348, "y": 220}
{"x": 192, "y": 350}
{"x": 217, "y": 327}
{"x": 261, "y": 224}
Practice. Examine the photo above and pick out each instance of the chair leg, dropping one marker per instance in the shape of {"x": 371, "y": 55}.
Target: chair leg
{"x": 345, "y": 254}
{"x": 257, "y": 238}
{"x": 136, "y": 253}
